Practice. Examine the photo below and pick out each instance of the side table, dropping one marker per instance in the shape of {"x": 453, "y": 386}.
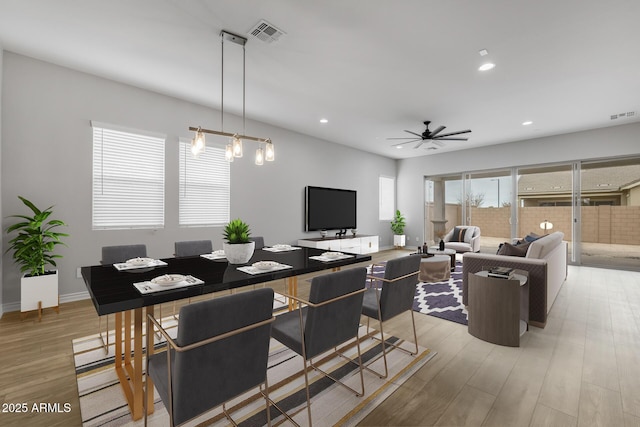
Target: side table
{"x": 498, "y": 308}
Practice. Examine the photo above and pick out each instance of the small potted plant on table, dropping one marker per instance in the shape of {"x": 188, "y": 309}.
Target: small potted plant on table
{"x": 33, "y": 249}
{"x": 238, "y": 248}
{"x": 397, "y": 226}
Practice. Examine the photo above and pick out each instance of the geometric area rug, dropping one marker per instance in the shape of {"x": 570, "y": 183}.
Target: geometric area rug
{"x": 439, "y": 299}
{"x": 442, "y": 299}
{"x": 102, "y": 401}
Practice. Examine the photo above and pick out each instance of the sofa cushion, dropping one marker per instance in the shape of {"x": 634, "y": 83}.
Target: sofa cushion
{"x": 513, "y": 250}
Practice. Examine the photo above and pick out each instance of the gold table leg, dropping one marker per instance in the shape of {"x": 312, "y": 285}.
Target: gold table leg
{"x": 293, "y": 291}
{"x": 129, "y": 371}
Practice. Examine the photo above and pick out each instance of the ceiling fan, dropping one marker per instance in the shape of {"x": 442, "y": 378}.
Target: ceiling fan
{"x": 434, "y": 137}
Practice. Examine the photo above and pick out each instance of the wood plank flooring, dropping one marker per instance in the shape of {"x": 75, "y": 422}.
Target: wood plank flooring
{"x": 583, "y": 369}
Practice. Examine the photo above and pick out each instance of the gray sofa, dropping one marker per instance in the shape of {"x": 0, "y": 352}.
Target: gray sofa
{"x": 546, "y": 262}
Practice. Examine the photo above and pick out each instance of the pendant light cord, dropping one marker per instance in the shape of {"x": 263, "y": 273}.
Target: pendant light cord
{"x": 222, "y": 85}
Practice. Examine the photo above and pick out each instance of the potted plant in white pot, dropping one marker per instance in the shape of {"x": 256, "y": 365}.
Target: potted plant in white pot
{"x": 238, "y": 248}
{"x": 397, "y": 226}
{"x": 33, "y": 249}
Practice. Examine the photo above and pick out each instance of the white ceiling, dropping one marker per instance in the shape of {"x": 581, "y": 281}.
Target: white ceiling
{"x": 371, "y": 67}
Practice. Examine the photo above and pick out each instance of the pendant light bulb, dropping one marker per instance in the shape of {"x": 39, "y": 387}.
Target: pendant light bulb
{"x": 270, "y": 151}
{"x": 198, "y": 144}
{"x": 237, "y": 146}
{"x": 259, "y": 156}
{"x": 228, "y": 153}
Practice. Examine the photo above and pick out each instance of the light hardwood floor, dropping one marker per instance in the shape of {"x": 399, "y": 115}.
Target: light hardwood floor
{"x": 582, "y": 369}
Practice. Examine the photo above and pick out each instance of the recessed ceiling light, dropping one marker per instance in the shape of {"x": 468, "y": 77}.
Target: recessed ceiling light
{"x": 527, "y": 123}
{"x": 486, "y": 66}
{"x": 324, "y": 121}
{"x": 399, "y": 147}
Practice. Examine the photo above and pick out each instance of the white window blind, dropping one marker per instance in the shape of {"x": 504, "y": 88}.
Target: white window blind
{"x": 205, "y": 187}
{"x": 386, "y": 198}
{"x": 128, "y": 178}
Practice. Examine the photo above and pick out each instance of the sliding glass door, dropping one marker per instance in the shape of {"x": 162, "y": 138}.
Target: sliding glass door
{"x": 481, "y": 199}
{"x": 488, "y": 203}
{"x": 595, "y": 204}
{"x": 545, "y": 201}
{"x": 610, "y": 213}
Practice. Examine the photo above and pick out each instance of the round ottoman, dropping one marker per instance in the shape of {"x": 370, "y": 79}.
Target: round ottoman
{"x": 435, "y": 269}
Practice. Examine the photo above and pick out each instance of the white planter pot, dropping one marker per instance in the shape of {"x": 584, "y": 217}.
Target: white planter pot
{"x": 239, "y": 253}
{"x": 399, "y": 240}
{"x": 39, "y": 289}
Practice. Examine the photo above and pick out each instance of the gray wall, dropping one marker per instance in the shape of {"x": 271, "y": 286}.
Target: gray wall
{"x": 607, "y": 142}
{"x": 1, "y": 212}
{"x": 46, "y": 157}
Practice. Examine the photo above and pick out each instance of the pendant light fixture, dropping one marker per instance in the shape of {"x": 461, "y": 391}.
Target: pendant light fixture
{"x": 198, "y": 144}
{"x": 270, "y": 151}
{"x": 234, "y": 147}
{"x": 259, "y": 156}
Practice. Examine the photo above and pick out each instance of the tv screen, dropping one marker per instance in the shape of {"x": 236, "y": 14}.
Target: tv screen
{"x": 329, "y": 208}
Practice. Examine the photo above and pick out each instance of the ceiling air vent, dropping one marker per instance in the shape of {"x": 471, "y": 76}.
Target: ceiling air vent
{"x": 266, "y": 32}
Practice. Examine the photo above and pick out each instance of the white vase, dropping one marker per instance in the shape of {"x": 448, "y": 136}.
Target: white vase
{"x": 398, "y": 240}
{"x": 238, "y": 253}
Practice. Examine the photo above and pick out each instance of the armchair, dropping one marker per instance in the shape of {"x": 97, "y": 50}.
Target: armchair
{"x": 463, "y": 238}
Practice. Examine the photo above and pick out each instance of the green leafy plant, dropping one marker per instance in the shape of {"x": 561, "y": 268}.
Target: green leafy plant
{"x": 237, "y": 231}
{"x": 398, "y": 224}
{"x": 36, "y": 240}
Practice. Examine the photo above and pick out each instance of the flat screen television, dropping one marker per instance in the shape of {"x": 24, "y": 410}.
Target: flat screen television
{"x": 329, "y": 208}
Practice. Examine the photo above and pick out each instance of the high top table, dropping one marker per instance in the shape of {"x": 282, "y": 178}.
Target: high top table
{"x": 112, "y": 291}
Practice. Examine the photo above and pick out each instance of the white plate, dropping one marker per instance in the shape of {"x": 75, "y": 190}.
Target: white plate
{"x": 219, "y": 252}
{"x": 332, "y": 255}
{"x": 139, "y": 261}
{"x": 281, "y": 246}
{"x": 265, "y": 265}
{"x": 168, "y": 279}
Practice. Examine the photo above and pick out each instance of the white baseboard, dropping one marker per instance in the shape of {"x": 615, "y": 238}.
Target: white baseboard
{"x": 75, "y": 296}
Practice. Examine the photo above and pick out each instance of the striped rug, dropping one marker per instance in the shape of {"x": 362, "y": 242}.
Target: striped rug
{"x": 102, "y": 401}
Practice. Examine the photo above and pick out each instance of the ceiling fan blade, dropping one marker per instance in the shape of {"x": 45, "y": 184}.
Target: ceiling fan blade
{"x": 437, "y": 131}
{"x": 438, "y": 143}
{"x": 454, "y": 133}
{"x": 406, "y": 142}
{"x": 413, "y": 133}
{"x": 412, "y": 137}
{"x": 419, "y": 144}
{"x": 450, "y": 139}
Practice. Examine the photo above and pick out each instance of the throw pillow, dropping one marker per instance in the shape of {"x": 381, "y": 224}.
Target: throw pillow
{"x": 458, "y": 234}
{"x": 531, "y": 237}
{"x": 513, "y": 250}
{"x": 469, "y": 234}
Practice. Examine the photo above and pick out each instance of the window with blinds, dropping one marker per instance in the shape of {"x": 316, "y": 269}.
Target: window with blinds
{"x": 386, "y": 198}
{"x": 205, "y": 187}
{"x": 128, "y": 178}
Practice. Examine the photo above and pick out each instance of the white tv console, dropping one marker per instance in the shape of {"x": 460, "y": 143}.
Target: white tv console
{"x": 358, "y": 244}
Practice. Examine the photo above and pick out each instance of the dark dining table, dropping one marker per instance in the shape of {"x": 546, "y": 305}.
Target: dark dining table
{"x": 113, "y": 292}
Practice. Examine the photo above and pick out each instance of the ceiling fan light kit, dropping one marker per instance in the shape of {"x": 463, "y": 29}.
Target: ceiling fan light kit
{"x": 234, "y": 148}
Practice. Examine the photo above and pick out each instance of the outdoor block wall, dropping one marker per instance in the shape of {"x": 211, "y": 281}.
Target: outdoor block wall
{"x": 600, "y": 224}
